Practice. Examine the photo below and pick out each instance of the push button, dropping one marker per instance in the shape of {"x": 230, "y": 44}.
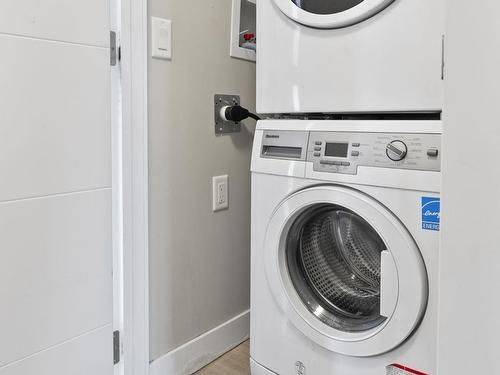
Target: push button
{"x": 318, "y": 143}
{"x": 356, "y": 145}
{"x": 355, "y": 153}
{"x": 433, "y": 152}
{"x": 317, "y": 154}
{"x": 346, "y": 164}
{"x": 317, "y": 148}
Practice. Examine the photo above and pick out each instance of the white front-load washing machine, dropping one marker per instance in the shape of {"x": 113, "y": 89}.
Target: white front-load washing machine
{"x": 345, "y": 241}
{"x": 344, "y": 56}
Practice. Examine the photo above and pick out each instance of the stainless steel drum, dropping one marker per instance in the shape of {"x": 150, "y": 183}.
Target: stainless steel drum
{"x": 333, "y": 257}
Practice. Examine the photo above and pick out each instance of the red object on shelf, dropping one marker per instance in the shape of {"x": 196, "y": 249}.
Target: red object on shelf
{"x": 248, "y": 36}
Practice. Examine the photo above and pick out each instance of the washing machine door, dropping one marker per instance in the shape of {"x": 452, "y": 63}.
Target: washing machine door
{"x": 331, "y": 14}
{"x": 345, "y": 271}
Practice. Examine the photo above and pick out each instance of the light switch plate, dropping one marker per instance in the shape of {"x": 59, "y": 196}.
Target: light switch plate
{"x": 161, "y": 38}
{"x": 220, "y": 193}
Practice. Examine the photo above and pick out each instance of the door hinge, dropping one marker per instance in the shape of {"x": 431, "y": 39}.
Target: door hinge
{"x": 116, "y": 347}
{"x": 114, "y": 49}
{"x": 442, "y": 57}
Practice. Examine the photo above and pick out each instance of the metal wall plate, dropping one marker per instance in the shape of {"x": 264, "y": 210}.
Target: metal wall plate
{"x": 222, "y": 126}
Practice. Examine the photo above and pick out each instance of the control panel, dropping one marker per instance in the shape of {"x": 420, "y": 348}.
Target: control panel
{"x": 341, "y": 152}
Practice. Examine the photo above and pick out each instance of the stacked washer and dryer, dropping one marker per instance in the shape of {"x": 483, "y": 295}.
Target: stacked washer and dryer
{"x": 346, "y": 178}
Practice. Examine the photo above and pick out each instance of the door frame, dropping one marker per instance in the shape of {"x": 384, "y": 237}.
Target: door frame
{"x": 134, "y": 73}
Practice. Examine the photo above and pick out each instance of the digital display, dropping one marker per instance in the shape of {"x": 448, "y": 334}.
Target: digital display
{"x": 337, "y": 150}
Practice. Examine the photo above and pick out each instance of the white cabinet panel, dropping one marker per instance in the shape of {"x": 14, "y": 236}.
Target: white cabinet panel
{"x": 55, "y": 118}
{"x": 90, "y": 354}
{"x": 75, "y": 21}
{"x": 55, "y": 271}
{"x": 469, "y": 330}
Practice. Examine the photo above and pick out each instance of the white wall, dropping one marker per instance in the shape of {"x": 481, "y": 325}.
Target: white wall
{"x": 199, "y": 260}
{"x": 470, "y": 256}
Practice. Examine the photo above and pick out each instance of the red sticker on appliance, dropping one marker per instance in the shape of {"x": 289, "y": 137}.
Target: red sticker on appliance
{"x": 397, "y": 369}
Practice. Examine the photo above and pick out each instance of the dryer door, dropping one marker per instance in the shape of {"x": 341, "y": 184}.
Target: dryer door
{"x": 345, "y": 271}
{"x": 331, "y": 14}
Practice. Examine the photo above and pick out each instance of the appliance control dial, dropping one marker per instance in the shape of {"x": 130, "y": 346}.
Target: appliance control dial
{"x": 396, "y": 150}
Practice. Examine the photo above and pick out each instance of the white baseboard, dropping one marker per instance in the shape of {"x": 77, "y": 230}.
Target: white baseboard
{"x": 199, "y": 352}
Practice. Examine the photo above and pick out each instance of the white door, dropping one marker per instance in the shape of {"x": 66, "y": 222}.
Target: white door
{"x": 331, "y": 14}
{"x": 56, "y": 290}
{"x": 345, "y": 271}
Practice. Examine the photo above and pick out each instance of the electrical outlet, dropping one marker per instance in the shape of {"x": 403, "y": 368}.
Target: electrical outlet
{"x": 220, "y": 193}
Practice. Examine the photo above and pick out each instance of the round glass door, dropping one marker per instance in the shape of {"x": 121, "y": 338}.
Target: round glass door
{"x": 334, "y": 261}
{"x": 326, "y": 6}
{"x": 331, "y": 14}
{"x": 344, "y": 270}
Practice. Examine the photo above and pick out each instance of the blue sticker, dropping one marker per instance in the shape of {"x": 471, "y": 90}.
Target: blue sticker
{"x": 431, "y": 213}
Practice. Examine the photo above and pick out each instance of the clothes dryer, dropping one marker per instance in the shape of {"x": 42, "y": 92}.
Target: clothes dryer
{"x": 345, "y": 56}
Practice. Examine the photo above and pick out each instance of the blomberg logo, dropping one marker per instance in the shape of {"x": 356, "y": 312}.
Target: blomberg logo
{"x": 431, "y": 213}
{"x": 272, "y": 136}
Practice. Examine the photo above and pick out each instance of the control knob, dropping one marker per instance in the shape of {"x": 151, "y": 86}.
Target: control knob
{"x": 396, "y": 150}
